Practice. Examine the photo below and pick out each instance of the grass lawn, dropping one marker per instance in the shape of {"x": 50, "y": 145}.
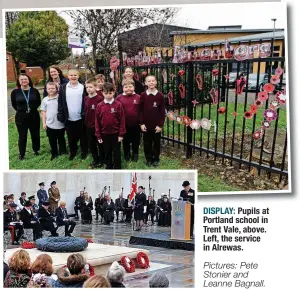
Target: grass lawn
{"x": 42, "y": 161}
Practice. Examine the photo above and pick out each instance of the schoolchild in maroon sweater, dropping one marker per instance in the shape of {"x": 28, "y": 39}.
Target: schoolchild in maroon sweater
{"x": 152, "y": 118}
{"x": 100, "y": 80}
{"x": 131, "y": 105}
{"x": 90, "y": 104}
{"x": 110, "y": 127}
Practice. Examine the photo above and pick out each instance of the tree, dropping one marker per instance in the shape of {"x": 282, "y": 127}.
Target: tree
{"x": 102, "y": 26}
{"x": 38, "y": 38}
{"x": 10, "y": 18}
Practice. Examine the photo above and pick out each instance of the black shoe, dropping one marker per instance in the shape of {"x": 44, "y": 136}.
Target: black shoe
{"x": 149, "y": 163}
{"x": 53, "y": 157}
{"x": 135, "y": 158}
{"x": 84, "y": 156}
{"x": 35, "y": 153}
{"x": 71, "y": 157}
{"x": 93, "y": 164}
{"x": 156, "y": 163}
{"x": 21, "y": 157}
{"x": 99, "y": 165}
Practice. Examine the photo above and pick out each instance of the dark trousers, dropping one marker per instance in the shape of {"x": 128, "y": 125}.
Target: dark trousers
{"x": 128, "y": 213}
{"x": 132, "y": 137}
{"x": 33, "y": 125}
{"x": 117, "y": 213}
{"x": 16, "y": 232}
{"x": 57, "y": 137}
{"x": 76, "y": 209}
{"x": 95, "y": 147}
{"x": 76, "y": 132}
{"x": 99, "y": 211}
{"x": 37, "y": 230}
{"x": 151, "y": 145}
{"x": 112, "y": 151}
{"x": 48, "y": 226}
{"x": 69, "y": 227}
{"x": 151, "y": 213}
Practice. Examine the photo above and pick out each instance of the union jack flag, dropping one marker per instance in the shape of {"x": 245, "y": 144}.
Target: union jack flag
{"x": 133, "y": 187}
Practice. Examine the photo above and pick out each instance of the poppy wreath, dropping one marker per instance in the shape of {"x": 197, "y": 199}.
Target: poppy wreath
{"x": 142, "y": 260}
{"x": 28, "y": 245}
{"x": 128, "y": 264}
{"x": 91, "y": 269}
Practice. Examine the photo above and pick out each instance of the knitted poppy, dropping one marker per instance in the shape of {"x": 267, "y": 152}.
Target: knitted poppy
{"x": 258, "y": 103}
{"x": 195, "y": 124}
{"x": 279, "y": 71}
{"x": 274, "y": 104}
{"x": 275, "y": 79}
{"x": 186, "y": 120}
{"x": 181, "y": 72}
{"x": 263, "y": 96}
{"x": 281, "y": 97}
{"x": 266, "y": 124}
{"x": 144, "y": 73}
{"x": 257, "y": 135}
{"x": 253, "y": 109}
{"x": 270, "y": 115}
{"x": 269, "y": 88}
{"x": 248, "y": 115}
{"x": 215, "y": 72}
{"x": 222, "y": 110}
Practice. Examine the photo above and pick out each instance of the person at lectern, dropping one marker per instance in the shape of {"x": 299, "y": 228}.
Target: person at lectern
{"x": 188, "y": 194}
{"x": 165, "y": 213}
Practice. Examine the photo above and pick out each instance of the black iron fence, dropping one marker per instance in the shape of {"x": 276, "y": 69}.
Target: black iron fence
{"x": 236, "y": 116}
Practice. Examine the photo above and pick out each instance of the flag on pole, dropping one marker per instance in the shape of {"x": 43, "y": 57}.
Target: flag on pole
{"x": 133, "y": 187}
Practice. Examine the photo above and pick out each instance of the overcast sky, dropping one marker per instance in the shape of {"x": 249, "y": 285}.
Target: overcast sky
{"x": 249, "y": 15}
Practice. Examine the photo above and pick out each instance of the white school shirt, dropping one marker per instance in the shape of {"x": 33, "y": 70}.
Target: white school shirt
{"x": 74, "y": 101}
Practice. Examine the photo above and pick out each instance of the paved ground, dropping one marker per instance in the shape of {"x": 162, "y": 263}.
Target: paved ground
{"x": 179, "y": 263}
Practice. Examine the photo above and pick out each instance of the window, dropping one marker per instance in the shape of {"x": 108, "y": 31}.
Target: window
{"x": 23, "y": 71}
{"x": 277, "y": 48}
{"x": 276, "y": 54}
{"x": 7, "y": 58}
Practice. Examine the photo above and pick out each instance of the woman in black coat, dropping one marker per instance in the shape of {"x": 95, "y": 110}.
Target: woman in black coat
{"x": 108, "y": 209}
{"x": 140, "y": 201}
{"x": 25, "y": 99}
{"x": 128, "y": 75}
{"x": 56, "y": 76}
{"x": 87, "y": 207}
{"x": 165, "y": 214}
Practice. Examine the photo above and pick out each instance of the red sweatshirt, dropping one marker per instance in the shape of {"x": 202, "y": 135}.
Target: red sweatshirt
{"x": 109, "y": 119}
{"x": 131, "y": 106}
{"x": 90, "y": 105}
{"x": 152, "y": 110}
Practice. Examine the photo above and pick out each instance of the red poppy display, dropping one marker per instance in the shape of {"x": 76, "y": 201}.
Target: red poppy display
{"x": 275, "y": 79}
{"x": 186, "y": 120}
{"x": 222, "y": 110}
{"x": 195, "y": 102}
{"x": 181, "y": 72}
{"x": 269, "y": 88}
{"x": 253, "y": 109}
{"x": 258, "y": 103}
{"x": 279, "y": 71}
{"x": 248, "y": 115}
{"x": 257, "y": 135}
{"x": 199, "y": 82}
{"x": 263, "y": 96}
{"x": 128, "y": 264}
{"x": 28, "y": 245}
{"x": 142, "y": 260}
{"x": 266, "y": 124}
{"x": 215, "y": 72}
{"x": 144, "y": 73}
{"x": 182, "y": 91}
{"x": 274, "y": 104}
{"x": 281, "y": 97}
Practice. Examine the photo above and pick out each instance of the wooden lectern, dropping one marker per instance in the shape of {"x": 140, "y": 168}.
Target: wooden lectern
{"x": 181, "y": 220}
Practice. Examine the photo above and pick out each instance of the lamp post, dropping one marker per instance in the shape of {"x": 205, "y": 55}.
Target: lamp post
{"x": 274, "y": 20}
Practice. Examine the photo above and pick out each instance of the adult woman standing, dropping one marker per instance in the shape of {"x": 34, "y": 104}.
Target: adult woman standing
{"x": 54, "y": 196}
{"x": 25, "y": 99}
{"x": 56, "y": 76}
{"x": 128, "y": 75}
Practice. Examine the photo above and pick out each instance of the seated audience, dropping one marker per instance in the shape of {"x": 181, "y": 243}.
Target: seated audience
{"x": 62, "y": 219}
{"x": 78, "y": 204}
{"x": 46, "y": 219}
{"x": 12, "y": 224}
{"x": 29, "y": 221}
{"x": 108, "y": 208}
{"x": 19, "y": 273}
{"x": 42, "y": 272}
{"x": 159, "y": 280}
{"x": 74, "y": 275}
{"x": 128, "y": 209}
{"x": 99, "y": 207}
{"x": 165, "y": 214}
{"x": 21, "y": 201}
{"x": 150, "y": 209}
{"x": 34, "y": 206}
{"x": 97, "y": 281}
{"x": 119, "y": 204}
{"x": 87, "y": 207}
{"x": 116, "y": 275}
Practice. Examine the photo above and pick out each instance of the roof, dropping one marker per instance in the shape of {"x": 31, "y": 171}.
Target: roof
{"x": 246, "y": 38}
{"x": 225, "y": 27}
{"x": 215, "y": 31}
{"x": 167, "y": 26}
